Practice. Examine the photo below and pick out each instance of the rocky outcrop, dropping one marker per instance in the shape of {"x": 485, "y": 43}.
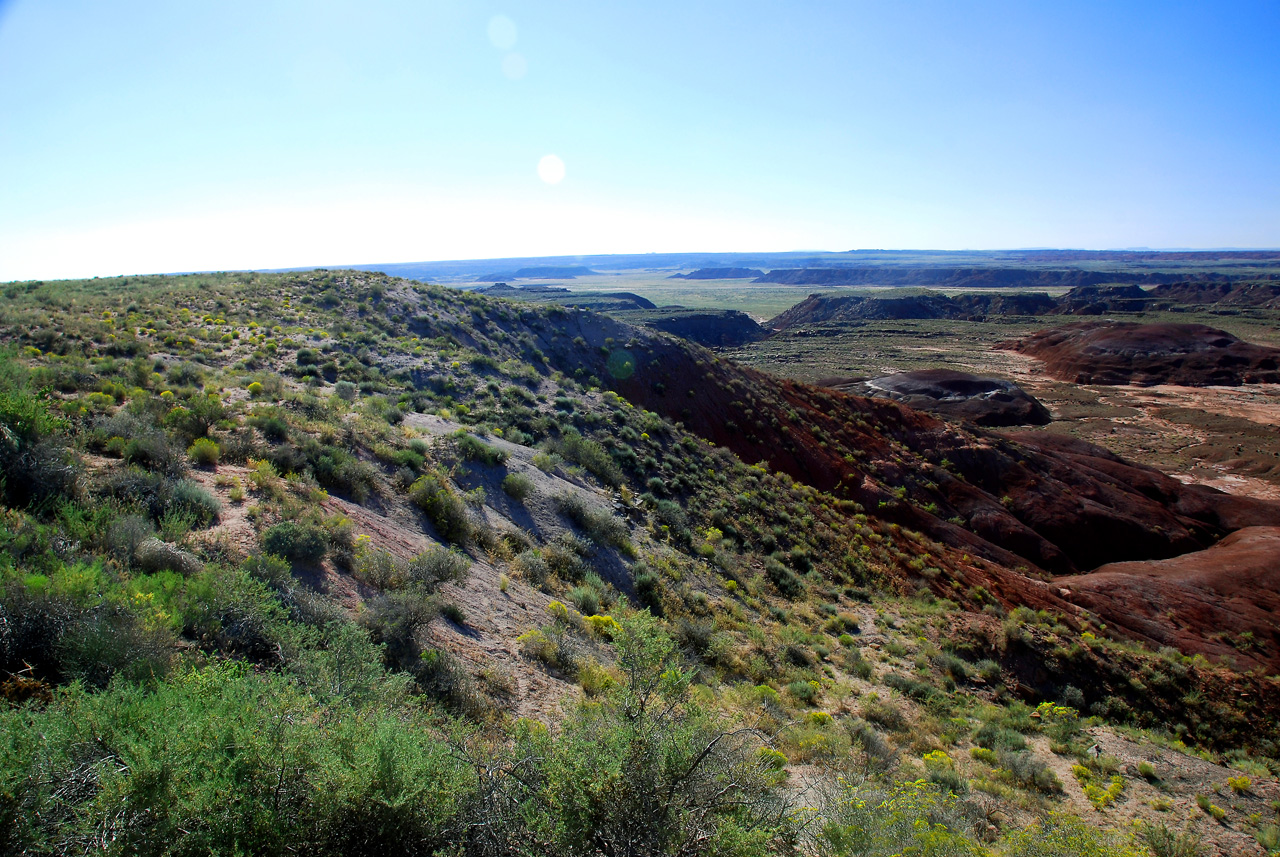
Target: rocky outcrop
{"x": 1146, "y": 354}
{"x": 977, "y": 399}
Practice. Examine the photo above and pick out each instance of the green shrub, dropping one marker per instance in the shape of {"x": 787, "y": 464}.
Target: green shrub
{"x": 874, "y": 820}
{"x": 370, "y": 778}
{"x": 649, "y": 590}
{"x": 435, "y": 496}
{"x": 518, "y": 486}
{"x": 230, "y": 611}
{"x": 35, "y": 466}
{"x": 436, "y": 567}
{"x": 346, "y": 475}
{"x": 191, "y": 498}
{"x": 803, "y": 691}
{"x": 586, "y": 599}
{"x": 788, "y": 585}
{"x": 907, "y": 686}
{"x": 126, "y": 533}
{"x": 1063, "y": 836}
{"x": 204, "y": 452}
{"x": 473, "y": 449}
{"x": 297, "y": 542}
{"x": 1028, "y": 771}
{"x": 590, "y": 455}
{"x": 273, "y": 428}
{"x": 154, "y": 452}
{"x": 643, "y": 771}
{"x": 1164, "y": 842}
{"x": 885, "y": 712}
{"x": 378, "y": 568}
{"x": 271, "y": 570}
{"x": 600, "y": 524}
{"x": 1268, "y": 836}
{"x": 996, "y": 737}
{"x": 113, "y": 642}
{"x": 841, "y": 625}
{"x": 531, "y": 567}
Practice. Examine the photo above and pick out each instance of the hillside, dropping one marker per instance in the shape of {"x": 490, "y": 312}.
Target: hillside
{"x": 1147, "y": 354}
{"x": 342, "y": 563}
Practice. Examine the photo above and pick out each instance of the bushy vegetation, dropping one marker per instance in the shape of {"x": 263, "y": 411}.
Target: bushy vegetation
{"x": 170, "y": 463}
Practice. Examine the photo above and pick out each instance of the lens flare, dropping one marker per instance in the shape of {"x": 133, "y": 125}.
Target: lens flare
{"x": 551, "y": 169}
{"x": 514, "y": 66}
{"x": 502, "y": 32}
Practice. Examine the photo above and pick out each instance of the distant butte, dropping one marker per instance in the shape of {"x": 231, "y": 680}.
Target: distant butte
{"x": 1192, "y": 355}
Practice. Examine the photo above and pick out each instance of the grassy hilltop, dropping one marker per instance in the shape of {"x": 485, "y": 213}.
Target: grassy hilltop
{"x": 334, "y": 562}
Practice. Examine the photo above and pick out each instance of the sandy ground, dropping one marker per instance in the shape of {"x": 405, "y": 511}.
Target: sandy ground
{"x": 1126, "y": 420}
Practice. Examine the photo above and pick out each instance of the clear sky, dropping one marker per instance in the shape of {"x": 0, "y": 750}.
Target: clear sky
{"x": 172, "y": 135}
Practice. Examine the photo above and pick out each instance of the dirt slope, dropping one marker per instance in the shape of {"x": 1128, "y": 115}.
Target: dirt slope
{"x": 1221, "y": 601}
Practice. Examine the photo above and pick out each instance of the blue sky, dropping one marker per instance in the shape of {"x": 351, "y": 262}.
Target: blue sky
{"x": 161, "y": 136}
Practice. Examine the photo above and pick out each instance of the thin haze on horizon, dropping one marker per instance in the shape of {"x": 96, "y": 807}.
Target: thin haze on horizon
{"x": 145, "y": 136}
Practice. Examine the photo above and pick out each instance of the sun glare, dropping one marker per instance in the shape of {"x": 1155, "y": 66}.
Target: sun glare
{"x": 551, "y": 169}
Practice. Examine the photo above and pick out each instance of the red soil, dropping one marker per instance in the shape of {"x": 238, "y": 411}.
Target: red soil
{"x": 1145, "y": 354}
{"x": 1220, "y": 602}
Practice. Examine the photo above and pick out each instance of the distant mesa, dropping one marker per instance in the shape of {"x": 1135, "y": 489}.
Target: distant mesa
{"x": 606, "y": 301}
{"x": 977, "y": 399}
{"x": 713, "y": 328}
{"x": 508, "y": 290}
{"x": 835, "y": 309}
{"x": 817, "y": 309}
{"x": 598, "y": 301}
{"x": 719, "y": 274}
{"x": 1096, "y": 300}
{"x": 539, "y": 272}
{"x": 1256, "y": 294}
{"x": 939, "y": 277}
{"x": 1085, "y": 300}
{"x": 1193, "y": 355}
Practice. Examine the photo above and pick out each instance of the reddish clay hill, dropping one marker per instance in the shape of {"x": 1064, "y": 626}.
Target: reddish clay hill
{"x": 1035, "y": 500}
{"x": 1222, "y": 601}
{"x": 1145, "y": 354}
